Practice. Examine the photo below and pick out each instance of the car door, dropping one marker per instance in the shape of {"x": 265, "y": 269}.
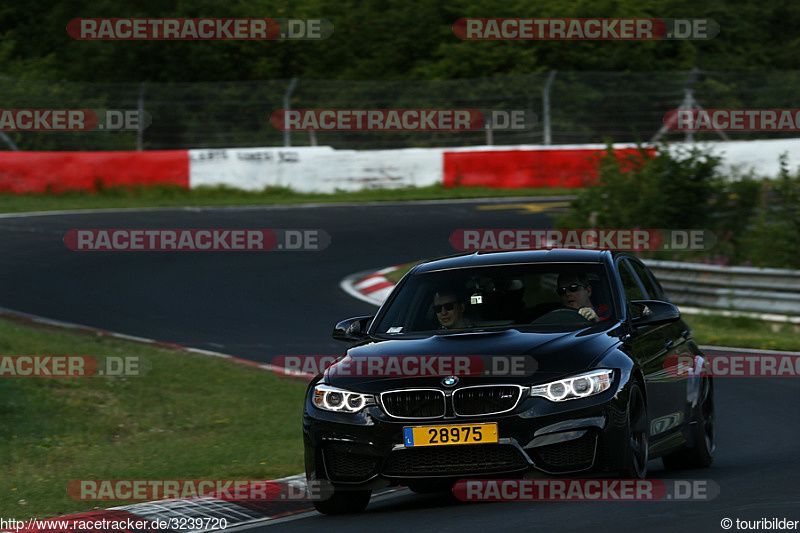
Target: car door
{"x": 650, "y": 346}
{"x": 682, "y": 346}
{"x": 668, "y": 406}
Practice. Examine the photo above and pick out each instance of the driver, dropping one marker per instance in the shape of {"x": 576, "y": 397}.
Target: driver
{"x": 449, "y": 309}
{"x": 575, "y": 292}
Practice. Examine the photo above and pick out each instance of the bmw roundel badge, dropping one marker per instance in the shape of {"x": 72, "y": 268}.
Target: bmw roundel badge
{"x": 449, "y": 381}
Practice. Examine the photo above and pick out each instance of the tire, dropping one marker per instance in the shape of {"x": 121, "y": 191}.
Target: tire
{"x": 637, "y": 442}
{"x": 344, "y": 502}
{"x": 701, "y": 454}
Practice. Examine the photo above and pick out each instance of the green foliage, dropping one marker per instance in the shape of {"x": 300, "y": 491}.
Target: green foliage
{"x": 756, "y": 222}
{"x": 645, "y": 191}
{"x": 774, "y": 237}
{"x": 387, "y": 40}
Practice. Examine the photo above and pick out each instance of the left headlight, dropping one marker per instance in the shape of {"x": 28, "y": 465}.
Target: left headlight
{"x": 339, "y": 400}
{"x": 572, "y": 388}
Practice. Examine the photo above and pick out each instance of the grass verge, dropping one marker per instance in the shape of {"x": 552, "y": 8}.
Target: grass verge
{"x": 191, "y": 416}
{"x": 171, "y": 196}
{"x": 743, "y": 332}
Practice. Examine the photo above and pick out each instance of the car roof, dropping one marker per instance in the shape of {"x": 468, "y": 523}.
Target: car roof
{"x": 476, "y": 259}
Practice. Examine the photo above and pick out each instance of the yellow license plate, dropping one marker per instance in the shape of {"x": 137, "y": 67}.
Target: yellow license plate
{"x": 449, "y": 435}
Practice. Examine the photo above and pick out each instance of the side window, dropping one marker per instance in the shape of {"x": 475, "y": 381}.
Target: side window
{"x": 631, "y": 287}
{"x": 654, "y": 290}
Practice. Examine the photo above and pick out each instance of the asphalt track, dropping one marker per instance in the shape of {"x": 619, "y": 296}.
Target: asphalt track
{"x": 254, "y": 305}
{"x": 258, "y": 305}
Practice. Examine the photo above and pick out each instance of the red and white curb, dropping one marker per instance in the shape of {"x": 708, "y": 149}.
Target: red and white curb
{"x": 372, "y": 287}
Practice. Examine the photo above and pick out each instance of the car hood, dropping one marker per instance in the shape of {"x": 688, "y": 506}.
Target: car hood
{"x": 547, "y": 356}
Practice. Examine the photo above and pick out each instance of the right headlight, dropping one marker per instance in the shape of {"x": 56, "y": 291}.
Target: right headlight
{"x": 572, "y": 388}
{"x": 339, "y": 400}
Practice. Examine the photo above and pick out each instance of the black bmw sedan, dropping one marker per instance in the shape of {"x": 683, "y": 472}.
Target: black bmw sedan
{"x": 524, "y": 364}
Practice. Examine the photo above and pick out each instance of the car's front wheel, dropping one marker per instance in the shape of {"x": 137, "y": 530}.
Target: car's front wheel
{"x": 701, "y": 454}
{"x": 638, "y": 442}
{"x": 344, "y": 502}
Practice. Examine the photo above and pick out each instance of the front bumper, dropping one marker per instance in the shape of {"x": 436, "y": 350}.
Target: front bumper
{"x": 537, "y": 439}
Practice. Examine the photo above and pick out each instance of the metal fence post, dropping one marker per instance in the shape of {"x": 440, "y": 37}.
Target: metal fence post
{"x": 287, "y": 135}
{"x": 140, "y": 130}
{"x": 689, "y": 102}
{"x": 548, "y": 138}
{"x": 11, "y": 144}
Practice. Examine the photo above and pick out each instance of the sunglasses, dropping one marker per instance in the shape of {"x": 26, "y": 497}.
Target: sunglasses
{"x": 571, "y": 288}
{"x": 449, "y": 306}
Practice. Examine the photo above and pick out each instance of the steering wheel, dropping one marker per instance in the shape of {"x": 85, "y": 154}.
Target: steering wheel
{"x": 562, "y": 315}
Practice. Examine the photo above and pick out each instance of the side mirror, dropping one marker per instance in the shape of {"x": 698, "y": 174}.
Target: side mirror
{"x": 352, "y": 329}
{"x": 654, "y": 312}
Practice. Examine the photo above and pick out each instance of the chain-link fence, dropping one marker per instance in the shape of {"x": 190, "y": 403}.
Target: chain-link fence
{"x": 572, "y": 108}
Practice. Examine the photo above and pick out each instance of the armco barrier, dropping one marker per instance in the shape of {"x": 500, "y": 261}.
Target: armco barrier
{"x": 762, "y": 290}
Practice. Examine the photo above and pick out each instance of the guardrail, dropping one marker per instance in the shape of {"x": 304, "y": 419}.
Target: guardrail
{"x": 763, "y": 290}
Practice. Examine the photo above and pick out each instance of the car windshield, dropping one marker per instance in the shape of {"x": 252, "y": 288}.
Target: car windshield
{"x": 500, "y": 296}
